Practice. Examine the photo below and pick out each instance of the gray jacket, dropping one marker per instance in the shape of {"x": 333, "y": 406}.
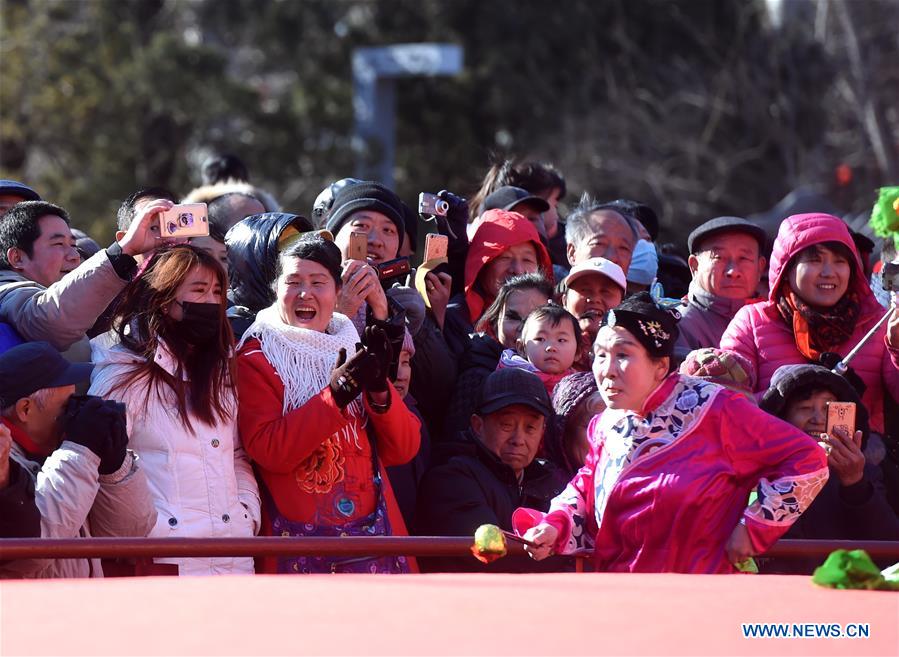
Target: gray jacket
{"x": 75, "y": 500}
{"x": 704, "y": 319}
{"x": 62, "y": 313}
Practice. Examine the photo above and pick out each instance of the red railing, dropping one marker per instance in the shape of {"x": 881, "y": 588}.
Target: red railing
{"x": 345, "y": 546}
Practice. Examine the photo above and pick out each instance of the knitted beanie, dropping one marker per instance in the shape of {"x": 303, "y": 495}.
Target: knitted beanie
{"x": 366, "y": 196}
{"x": 726, "y": 368}
{"x": 571, "y": 391}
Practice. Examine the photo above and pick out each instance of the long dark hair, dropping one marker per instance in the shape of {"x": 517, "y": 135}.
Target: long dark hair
{"x": 489, "y": 321}
{"x": 142, "y": 323}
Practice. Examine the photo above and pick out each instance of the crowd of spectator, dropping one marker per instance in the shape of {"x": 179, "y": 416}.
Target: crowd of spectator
{"x": 548, "y": 374}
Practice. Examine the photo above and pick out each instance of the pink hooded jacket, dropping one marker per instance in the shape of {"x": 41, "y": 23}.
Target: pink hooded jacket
{"x": 759, "y": 333}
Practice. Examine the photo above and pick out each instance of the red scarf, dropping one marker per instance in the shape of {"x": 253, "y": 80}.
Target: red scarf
{"x": 816, "y": 331}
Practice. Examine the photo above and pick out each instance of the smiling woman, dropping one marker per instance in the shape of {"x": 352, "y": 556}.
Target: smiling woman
{"x": 819, "y": 308}
{"x": 319, "y": 416}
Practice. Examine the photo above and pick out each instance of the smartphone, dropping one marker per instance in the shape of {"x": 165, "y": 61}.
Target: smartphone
{"x": 184, "y": 220}
{"x": 435, "y": 246}
{"x": 358, "y": 246}
{"x": 432, "y": 205}
{"x": 842, "y": 415}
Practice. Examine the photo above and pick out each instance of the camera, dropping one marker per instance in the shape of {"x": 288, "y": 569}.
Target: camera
{"x": 392, "y": 269}
{"x": 431, "y": 204}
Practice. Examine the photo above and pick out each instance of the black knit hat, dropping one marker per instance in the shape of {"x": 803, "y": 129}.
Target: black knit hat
{"x": 366, "y": 196}
{"x": 788, "y": 380}
{"x": 654, "y": 327}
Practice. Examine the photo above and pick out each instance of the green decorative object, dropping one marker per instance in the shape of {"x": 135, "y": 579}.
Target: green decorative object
{"x": 489, "y": 543}
{"x": 853, "y": 569}
{"x": 885, "y": 214}
{"x": 748, "y": 565}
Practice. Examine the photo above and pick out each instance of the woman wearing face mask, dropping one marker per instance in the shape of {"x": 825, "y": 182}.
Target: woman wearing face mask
{"x": 673, "y": 459}
{"x": 819, "y": 303}
{"x": 173, "y": 369}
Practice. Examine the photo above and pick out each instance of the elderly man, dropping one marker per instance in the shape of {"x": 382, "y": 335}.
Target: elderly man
{"x": 46, "y": 292}
{"x": 75, "y": 448}
{"x": 12, "y": 192}
{"x": 494, "y": 471}
{"x": 727, "y": 262}
{"x": 598, "y": 230}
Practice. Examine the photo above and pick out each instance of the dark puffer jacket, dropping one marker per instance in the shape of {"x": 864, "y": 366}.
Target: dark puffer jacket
{"x": 253, "y": 262}
{"x": 475, "y": 488}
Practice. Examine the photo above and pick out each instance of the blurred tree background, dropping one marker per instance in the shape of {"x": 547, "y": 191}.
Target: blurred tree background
{"x": 699, "y": 107}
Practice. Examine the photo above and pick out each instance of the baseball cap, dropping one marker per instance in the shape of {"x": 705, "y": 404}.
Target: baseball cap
{"x": 507, "y": 197}
{"x": 597, "y": 265}
{"x": 15, "y": 188}
{"x": 510, "y": 386}
{"x": 33, "y": 366}
{"x": 725, "y": 224}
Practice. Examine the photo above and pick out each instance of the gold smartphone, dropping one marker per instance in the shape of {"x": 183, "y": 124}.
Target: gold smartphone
{"x": 841, "y": 415}
{"x": 358, "y": 246}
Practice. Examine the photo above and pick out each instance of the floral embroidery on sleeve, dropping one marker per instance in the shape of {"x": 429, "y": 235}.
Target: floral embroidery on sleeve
{"x": 780, "y": 502}
{"x": 572, "y": 503}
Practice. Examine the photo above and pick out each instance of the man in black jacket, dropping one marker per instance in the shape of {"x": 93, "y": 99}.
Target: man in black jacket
{"x": 493, "y": 472}
{"x": 19, "y": 516}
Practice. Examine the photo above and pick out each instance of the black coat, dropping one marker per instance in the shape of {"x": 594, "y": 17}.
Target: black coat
{"x": 476, "y": 364}
{"x": 859, "y": 512}
{"x": 475, "y": 488}
{"x": 19, "y": 516}
{"x": 253, "y": 263}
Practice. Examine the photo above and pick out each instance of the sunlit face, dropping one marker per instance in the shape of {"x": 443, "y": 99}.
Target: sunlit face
{"x": 551, "y": 349}
{"x": 512, "y": 433}
{"x": 611, "y": 238}
{"x": 810, "y": 414}
{"x": 200, "y": 286}
{"x": 625, "y": 373}
{"x": 820, "y": 276}
{"x": 383, "y": 236}
{"x": 307, "y": 294}
{"x": 403, "y": 374}
{"x": 728, "y": 265}
{"x": 517, "y": 259}
{"x": 519, "y": 305}
{"x": 53, "y": 253}
{"x": 592, "y": 294}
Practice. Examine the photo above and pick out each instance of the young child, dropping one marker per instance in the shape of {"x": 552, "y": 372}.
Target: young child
{"x": 548, "y": 345}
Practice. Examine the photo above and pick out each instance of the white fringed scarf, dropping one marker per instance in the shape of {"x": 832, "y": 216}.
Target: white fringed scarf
{"x": 304, "y": 359}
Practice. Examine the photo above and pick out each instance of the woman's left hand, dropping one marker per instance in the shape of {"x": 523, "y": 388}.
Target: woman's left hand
{"x": 739, "y": 546}
{"x": 845, "y": 456}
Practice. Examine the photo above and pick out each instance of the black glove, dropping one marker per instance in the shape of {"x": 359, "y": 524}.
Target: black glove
{"x": 378, "y": 346}
{"x": 456, "y": 220}
{"x": 349, "y": 376}
{"x": 99, "y": 425}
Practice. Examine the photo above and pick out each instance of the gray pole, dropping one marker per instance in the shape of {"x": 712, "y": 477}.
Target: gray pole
{"x": 374, "y": 73}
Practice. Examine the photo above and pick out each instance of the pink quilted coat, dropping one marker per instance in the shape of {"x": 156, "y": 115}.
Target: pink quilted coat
{"x": 759, "y": 333}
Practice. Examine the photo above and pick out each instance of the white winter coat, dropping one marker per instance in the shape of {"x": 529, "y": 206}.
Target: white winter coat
{"x": 202, "y": 483}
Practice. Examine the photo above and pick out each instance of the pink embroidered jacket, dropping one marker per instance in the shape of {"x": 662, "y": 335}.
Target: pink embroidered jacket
{"x": 663, "y": 490}
{"x": 759, "y": 333}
